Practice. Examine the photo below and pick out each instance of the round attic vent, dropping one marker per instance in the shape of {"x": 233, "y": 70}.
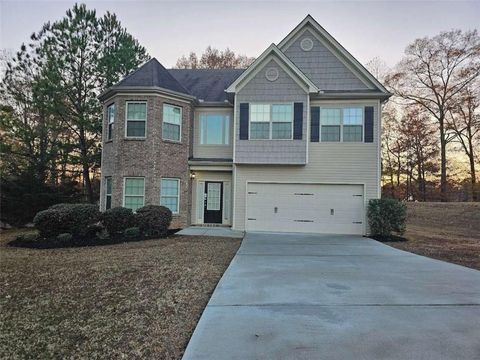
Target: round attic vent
{"x": 306, "y": 44}
{"x": 271, "y": 74}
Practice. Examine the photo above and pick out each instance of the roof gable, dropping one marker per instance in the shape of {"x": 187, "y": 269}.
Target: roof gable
{"x": 346, "y": 65}
{"x": 273, "y": 52}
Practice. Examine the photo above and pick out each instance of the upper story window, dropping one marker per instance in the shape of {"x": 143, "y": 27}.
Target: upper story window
{"x": 341, "y": 124}
{"x": 271, "y": 121}
{"x": 214, "y": 129}
{"x": 172, "y": 122}
{"x": 111, "y": 120}
{"x": 136, "y": 119}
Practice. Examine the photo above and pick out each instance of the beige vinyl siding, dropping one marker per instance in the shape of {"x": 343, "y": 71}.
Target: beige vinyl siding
{"x": 329, "y": 163}
{"x": 212, "y": 151}
{"x": 202, "y": 176}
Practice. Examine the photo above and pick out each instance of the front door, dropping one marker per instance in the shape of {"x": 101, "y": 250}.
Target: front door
{"x": 213, "y": 202}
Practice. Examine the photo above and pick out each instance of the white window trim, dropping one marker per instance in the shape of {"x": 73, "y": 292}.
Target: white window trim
{"x": 110, "y": 134}
{"x": 181, "y": 121}
{"x": 178, "y": 195}
{"x": 270, "y": 122}
{"x": 227, "y": 128}
{"x": 124, "y": 182}
{"x": 106, "y": 191}
{"x": 341, "y": 108}
{"x": 126, "y": 118}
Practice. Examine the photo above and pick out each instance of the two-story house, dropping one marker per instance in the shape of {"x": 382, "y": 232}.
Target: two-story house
{"x": 290, "y": 144}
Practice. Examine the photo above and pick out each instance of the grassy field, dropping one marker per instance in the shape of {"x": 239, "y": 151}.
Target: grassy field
{"x": 138, "y": 300}
{"x": 445, "y": 231}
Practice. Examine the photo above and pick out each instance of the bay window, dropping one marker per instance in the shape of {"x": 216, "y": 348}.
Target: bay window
{"x": 172, "y": 122}
{"x": 134, "y": 192}
{"x": 136, "y": 119}
{"x": 111, "y": 120}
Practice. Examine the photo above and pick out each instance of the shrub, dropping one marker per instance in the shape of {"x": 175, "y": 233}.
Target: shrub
{"x": 386, "y": 216}
{"x": 133, "y": 232}
{"x": 65, "y": 237}
{"x": 66, "y": 218}
{"x": 153, "y": 220}
{"x": 117, "y": 219}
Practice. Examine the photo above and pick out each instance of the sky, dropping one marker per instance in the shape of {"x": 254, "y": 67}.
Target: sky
{"x": 170, "y": 29}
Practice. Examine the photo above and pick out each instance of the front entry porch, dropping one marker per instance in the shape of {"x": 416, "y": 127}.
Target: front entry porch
{"x": 211, "y": 198}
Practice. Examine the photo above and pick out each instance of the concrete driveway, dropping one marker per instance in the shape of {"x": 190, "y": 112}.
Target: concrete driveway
{"x": 291, "y": 296}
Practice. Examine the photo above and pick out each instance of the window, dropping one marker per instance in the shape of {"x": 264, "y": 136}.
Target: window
{"x": 134, "y": 193}
{"x": 330, "y": 120}
{"x": 111, "y": 119}
{"x": 170, "y": 194}
{"x": 172, "y": 122}
{"x": 282, "y": 116}
{"x": 353, "y": 124}
{"x": 136, "y": 119}
{"x": 345, "y": 124}
{"x": 271, "y": 121}
{"x": 214, "y": 129}
{"x": 108, "y": 193}
{"x": 260, "y": 121}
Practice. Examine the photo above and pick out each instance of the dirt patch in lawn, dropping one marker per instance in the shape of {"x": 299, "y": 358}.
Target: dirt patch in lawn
{"x": 132, "y": 300}
{"x": 444, "y": 231}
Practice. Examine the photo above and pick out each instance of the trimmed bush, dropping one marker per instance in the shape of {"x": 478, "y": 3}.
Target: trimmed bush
{"x": 117, "y": 219}
{"x": 386, "y": 216}
{"x": 66, "y": 218}
{"x": 65, "y": 237}
{"x": 153, "y": 220}
{"x": 133, "y": 232}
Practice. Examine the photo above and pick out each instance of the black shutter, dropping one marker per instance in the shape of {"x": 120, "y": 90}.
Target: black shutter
{"x": 297, "y": 121}
{"x": 315, "y": 128}
{"x": 244, "y": 121}
{"x": 368, "y": 124}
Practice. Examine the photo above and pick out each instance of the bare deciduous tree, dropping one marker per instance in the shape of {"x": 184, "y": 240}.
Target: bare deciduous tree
{"x": 432, "y": 73}
{"x": 464, "y": 120}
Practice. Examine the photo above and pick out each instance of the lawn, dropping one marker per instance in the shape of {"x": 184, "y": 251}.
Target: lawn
{"x": 132, "y": 300}
{"x": 444, "y": 231}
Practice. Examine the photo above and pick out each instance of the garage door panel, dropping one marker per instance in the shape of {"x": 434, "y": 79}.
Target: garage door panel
{"x": 305, "y": 208}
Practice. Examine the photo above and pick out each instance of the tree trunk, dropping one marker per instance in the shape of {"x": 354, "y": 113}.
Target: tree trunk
{"x": 473, "y": 177}
{"x": 443, "y": 161}
{"x": 85, "y": 166}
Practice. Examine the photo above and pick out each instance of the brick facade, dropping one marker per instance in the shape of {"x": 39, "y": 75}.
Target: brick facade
{"x": 151, "y": 158}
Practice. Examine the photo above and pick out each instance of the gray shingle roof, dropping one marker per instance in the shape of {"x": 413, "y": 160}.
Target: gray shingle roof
{"x": 152, "y": 73}
{"x": 206, "y": 84}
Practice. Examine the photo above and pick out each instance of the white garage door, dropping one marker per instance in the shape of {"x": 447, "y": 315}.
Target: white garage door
{"x": 329, "y": 209}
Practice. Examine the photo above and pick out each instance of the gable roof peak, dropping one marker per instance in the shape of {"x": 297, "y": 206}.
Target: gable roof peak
{"x": 336, "y": 46}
